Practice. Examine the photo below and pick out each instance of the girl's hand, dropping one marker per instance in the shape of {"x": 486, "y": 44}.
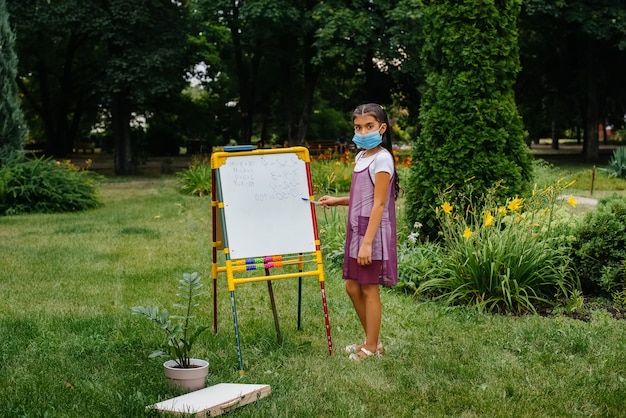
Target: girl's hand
{"x": 327, "y": 201}
{"x": 364, "y": 258}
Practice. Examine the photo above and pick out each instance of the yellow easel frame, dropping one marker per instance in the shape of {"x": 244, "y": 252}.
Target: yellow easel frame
{"x": 220, "y": 242}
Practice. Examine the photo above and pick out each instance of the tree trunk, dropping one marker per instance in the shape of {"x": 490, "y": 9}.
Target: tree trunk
{"x": 555, "y": 135}
{"x": 311, "y": 75}
{"x": 120, "y": 116}
{"x": 591, "y": 150}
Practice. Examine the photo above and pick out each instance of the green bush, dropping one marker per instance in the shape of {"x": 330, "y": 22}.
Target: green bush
{"x": 43, "y": 185}
{"x": 600, "y": 247}
{"x": 470, "y": 126}
{"x": 196, "y": 180}
{"x": 418, "y": 262}
{"x": 509, "y": 258}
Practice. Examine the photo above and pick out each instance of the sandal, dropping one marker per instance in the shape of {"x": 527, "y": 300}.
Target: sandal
{"x": 354, "y": 348}
{"x": 363, "y": 354}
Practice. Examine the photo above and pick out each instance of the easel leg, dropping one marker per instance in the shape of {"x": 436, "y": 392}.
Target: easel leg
{"x": 300, "y": 269}
{"x": 270, "y": 289}
{"x": 214, "y": 306}
{"x": 299, "y": 300}
{"x": 325, "y": 305}
{"x": 236, "y": 324}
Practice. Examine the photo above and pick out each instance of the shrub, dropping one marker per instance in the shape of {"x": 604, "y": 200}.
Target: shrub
{"x": 509, "y": 258}
{"x": 196, "y": 180}
{"x": 600, "y": 247}
{"x": 44, "y": 185}
{"x": 470, "y": 125}
{"x": 417, "y": 262}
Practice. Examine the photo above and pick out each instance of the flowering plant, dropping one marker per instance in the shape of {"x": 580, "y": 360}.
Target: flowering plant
{"x": 504, "y": 257}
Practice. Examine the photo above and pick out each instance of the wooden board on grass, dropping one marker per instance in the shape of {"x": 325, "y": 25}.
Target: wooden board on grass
{"x": 214, "y": 400}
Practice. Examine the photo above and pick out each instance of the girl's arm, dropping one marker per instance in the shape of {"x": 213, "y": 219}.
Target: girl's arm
{"x": 381, "y": 187}
{"x": 334, "y": 201}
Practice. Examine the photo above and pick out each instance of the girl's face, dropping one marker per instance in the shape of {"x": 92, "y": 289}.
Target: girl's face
{"x": 364, "y": 124}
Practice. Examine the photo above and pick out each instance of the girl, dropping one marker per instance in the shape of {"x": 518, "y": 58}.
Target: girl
{"x": 370, "y": 256}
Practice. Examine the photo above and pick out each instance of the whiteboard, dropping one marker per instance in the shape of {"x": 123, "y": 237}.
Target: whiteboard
{"x": 264, "y": 212}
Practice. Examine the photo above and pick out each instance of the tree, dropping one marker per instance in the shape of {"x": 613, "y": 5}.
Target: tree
{"x": 593, "y": 34}
{"x": 146, "y": 45}
{"x": 471, "y": 128}
{"x": 82, "y": 60}
{"x": 59, "y": 64}
{"x": 12, "y": 125}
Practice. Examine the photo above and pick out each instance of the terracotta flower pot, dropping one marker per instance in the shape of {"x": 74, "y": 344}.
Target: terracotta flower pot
{"x": 190, "y": 379}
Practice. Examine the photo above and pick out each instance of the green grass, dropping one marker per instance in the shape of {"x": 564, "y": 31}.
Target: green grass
{"x": 70, "y": 346}
{"x": 587, "y": 183}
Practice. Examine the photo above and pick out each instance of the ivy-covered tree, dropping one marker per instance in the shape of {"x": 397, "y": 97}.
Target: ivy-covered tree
{"x": 470, "y": 125}
{"x": 12, "y": 126}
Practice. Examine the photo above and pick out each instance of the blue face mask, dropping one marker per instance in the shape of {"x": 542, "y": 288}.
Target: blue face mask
{"x": 368, "y": 141}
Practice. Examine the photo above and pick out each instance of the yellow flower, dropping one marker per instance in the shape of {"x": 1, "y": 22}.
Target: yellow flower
{"x": 446, "y": 208}
{"x": 502, "y": 211}
{"x": 515, "y": 204}
{"x": 467, "y": 233}
{"x": 488, "y": 218}
{"x": 572, "y": 201}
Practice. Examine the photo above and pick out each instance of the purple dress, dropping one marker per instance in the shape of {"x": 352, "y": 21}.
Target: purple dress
{"x": 384, "y": 267}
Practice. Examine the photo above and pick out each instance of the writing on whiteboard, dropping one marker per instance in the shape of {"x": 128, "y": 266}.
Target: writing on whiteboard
{"x": 280, "y": 176}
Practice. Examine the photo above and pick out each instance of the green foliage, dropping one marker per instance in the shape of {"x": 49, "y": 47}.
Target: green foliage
{"x": 179, "y": 336}
{"x": 617, "y": 163}
{"x": 332, "y": 231}
{"x": 620, "y": 296}
{"x": 12, "y": 124}
{"x": 470, "y": 124}
{"x": 45, "y": 185}
{"x": 330, "y": 175}
{"x": 509, "y": 258}
{"x": 600, "y": 247}
{"x": 196, "y": 180}
{"x": 417, "y": 263}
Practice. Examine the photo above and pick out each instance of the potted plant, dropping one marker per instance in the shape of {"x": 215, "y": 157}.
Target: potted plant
{"x": 181, "y": 370}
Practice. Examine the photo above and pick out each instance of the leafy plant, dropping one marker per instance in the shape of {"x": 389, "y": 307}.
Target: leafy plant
{"x": 196, "y": 180}
{"x": 44, "y": 185}
{"x": 179, "y": 336}
{"x": 617, "y": 163}
{"x": 332, "y": 229}
{"x": 620, "y": 296}
{"x": 332, "y": 176}
{"x": 509, "y": 258}
{"x": 417, "y": 263}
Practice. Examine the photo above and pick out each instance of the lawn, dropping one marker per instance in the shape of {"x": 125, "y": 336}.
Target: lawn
{"x": 71, "y": 348}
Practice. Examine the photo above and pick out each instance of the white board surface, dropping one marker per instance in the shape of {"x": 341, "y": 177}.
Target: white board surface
{"x": 264, "y": 210}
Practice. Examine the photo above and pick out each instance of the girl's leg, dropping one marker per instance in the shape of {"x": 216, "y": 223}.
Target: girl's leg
{"x": 353, "y": 288}
{"x": 373, "y": 315}
{"x": 366, "y": 302}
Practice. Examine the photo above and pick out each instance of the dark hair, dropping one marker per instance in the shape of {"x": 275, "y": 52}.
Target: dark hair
{"x": 379, "y": 113}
